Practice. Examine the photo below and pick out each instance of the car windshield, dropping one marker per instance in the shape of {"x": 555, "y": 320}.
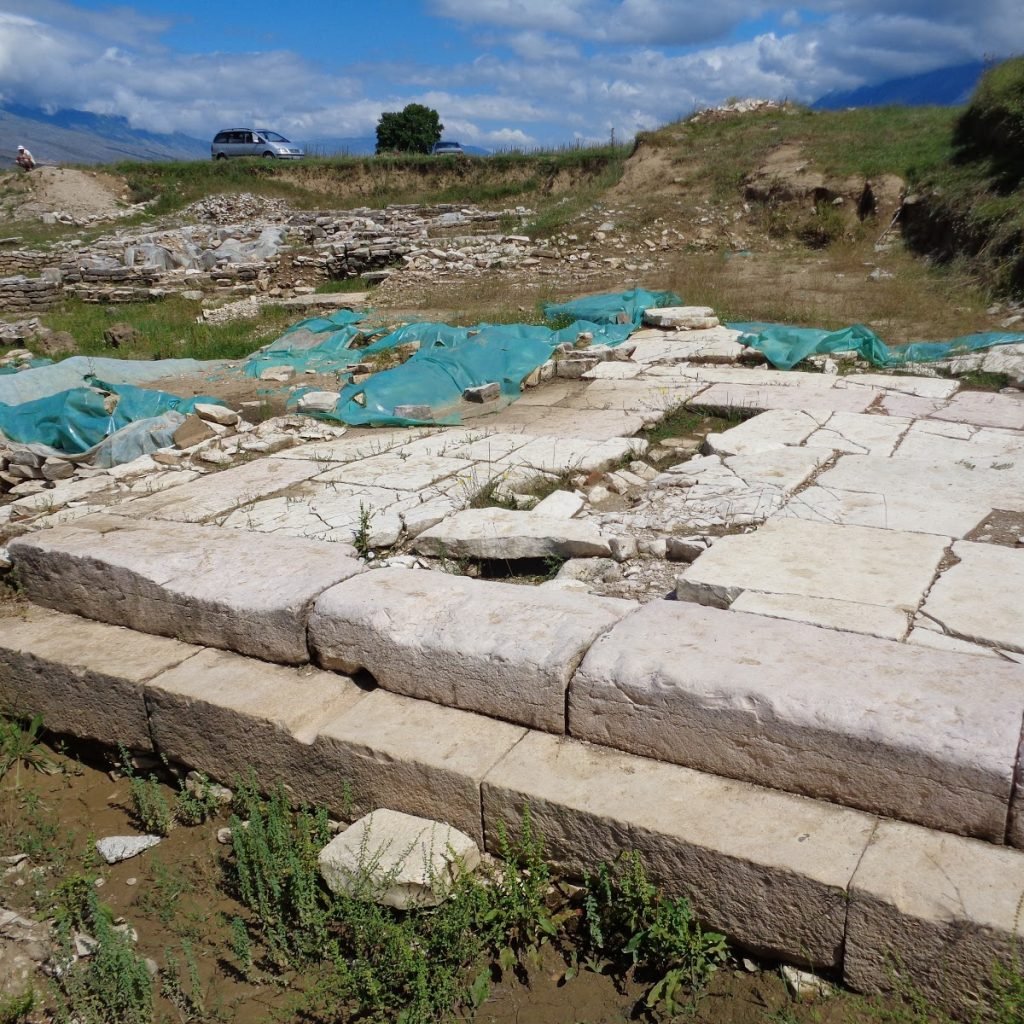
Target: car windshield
{"x": 271, "y": 136}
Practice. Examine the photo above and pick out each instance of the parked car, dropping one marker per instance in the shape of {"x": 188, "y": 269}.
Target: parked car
{"x": 253, "y": 142}
{"x": 450, "y": 148}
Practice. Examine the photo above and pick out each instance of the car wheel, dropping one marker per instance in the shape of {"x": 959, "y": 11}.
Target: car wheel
{"x": 268, "y": 156}
{"x": 221, "y": 156}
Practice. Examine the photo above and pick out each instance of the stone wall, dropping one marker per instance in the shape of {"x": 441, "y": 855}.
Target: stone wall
{"x": 20, "y": 294}
{"x": 23, "y": 261}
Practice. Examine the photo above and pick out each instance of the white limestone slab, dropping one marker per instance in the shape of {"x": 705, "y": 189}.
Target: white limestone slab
{"x": 766, "y": 868}
{"x": 552, "y": 454}
{"x": 355, "y": 446}
{"x": 84, "y": 677}
{"x": 761, "y": 399}
{"x": 935, "y": 912}
{"x": 896, "y": 730}
{"x": 981, "y": 598}
{"x": 984, "y": 409}
{"x": 218, "y": 494}
{"x": 591, "y": 424}
{"x": 905, "y": 384}
{"x": 984, "y": 445}
{"x": 885, "y": 568}
{"x": 635, "y": 395}
{"x": 860, "y": 433}
{"x": 559, "y": 505}
{"x": 397, "y": 471}
{"x": 887, "y": 623}
{"x": 501, "y": 533}
{"x": 496, "y": 648}
{"x": 615, "y": 370}
{"x": 204, "y": 585}
{"x": 923, "y": 636}
{"x": 775, "y": 429}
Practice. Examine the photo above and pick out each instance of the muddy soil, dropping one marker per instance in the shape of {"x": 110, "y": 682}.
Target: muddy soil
{"x": 173, "y": 896}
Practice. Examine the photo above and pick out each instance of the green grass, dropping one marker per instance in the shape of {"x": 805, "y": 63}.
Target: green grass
{"x": 343, "y": 286}
{"x": 168, "y": 328}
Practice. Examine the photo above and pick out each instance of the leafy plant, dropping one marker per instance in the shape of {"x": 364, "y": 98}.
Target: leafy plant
{"x": 197, "y": 802}
{"x": 19, "y": 745}
{"x": 190, "y": 1001}
{"x": 361, "y": 535}
{"x": 16, "y": 1009}
{"x": 414, "y": 129}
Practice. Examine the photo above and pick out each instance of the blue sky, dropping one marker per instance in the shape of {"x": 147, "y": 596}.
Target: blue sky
{"x": 500, "y": 72}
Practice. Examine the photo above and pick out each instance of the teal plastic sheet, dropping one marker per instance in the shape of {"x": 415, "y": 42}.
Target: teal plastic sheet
{"x": 78, "y": 419}
{"x": 785, "y": 346}
{"x": 613, "y": 307}
{"x": 320, "y": 344}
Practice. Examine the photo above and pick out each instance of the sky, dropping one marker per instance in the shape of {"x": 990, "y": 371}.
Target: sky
{"x": 501, "y": 73}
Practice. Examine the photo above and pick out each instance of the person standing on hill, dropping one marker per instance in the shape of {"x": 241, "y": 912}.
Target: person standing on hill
{"x": 24, "y": 159}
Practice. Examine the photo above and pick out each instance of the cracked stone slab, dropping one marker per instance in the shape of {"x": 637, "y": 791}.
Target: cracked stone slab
{"x": 984, "y": 410}
{"x": 860, "y": 433}
{"x": 589, "y": 424}
{"x": 776, "y": 429}
{"x": 398, "y": 471}
{"x": 887, "y": 623}
{"x": 762, "y": 399}
{"x": 891, "y": 729}
{"x": 85, "y": 678}
{"x": 987, "y": 445}
{"x": 501, "y": 533}
{"x": 635, "y": 395}
{"x": 886, "y": 568}
{"x": 717, "y": 343}
{"x": 218, "y": 494}
{"x": 557, "y": 455}
{"x": 227, "y": 716}
{"x": 906, "y": 384}
{"x": 496, "y": 648}
{"x": 776, "y": 884}
{"x": 920, "y": 495}
{"x": 934, "y": 911}
{"x": 353, "y": 447}
{"x": 981, "y": 598}
{"x": 204, "y": 585}
{"x": 409, "y": 755}
{"x": 922, "y": 635}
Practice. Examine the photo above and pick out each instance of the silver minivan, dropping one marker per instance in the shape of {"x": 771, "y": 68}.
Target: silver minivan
{"x": 253, "y": 142}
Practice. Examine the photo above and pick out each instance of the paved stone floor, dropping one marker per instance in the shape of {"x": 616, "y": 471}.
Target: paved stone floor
{"x": 783, "y": 657}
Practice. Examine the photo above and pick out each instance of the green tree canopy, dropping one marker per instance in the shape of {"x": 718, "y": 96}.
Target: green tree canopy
{"x": 412, "y": 130}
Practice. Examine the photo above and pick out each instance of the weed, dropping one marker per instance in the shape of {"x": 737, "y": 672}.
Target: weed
{"x": 152, "y": 809}
{"x": 241, "y": 947}
{"x": 162, "y": 897}
{"x": 190, "y": 1001}
{"x": 19, "y": 745}
{"x": 197, "y": 802}
{"x": 823, "y": 227}
{"x": 342, "y": 286}
{"x": 16, "y": 1009}
{"x": 361, "y": 535}
{"x": 628, "y": 924}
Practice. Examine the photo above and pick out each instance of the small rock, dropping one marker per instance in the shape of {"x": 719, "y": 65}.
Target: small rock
{"x": 278, "y": 373}
{"x": 192, "y": 431}
{"x": 318, "y": 401}
{"x": 878, "y": 274}
{"x": 623, "y": 548}
{"x": 114, "y": 849}
{"x": 415, "y": 412}
{"x": 484, "y": 393}
{"x": 216, "y": 414}
{"x": 804, "y": 985}
{"x": 120, "y": 334}
{"x": 224, "y": 836}
{"x": 684, "y": 549}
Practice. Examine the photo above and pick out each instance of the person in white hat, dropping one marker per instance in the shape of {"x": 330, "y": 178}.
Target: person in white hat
{"x": 24, "y": 159}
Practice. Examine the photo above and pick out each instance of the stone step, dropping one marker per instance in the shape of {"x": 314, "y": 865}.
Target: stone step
{"x": 924, "y": 735}
{"x": 204, "y": 585}
{"x": 501, "y": 649}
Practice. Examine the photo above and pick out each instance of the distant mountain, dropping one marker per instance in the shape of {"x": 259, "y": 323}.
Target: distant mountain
{"x": 76, "y": 136}
{"x": 944, "y": 87}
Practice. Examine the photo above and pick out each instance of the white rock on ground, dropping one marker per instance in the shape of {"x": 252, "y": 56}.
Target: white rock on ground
{"x": 217, "y": 414}
{"x": 681, "y": 317}
{"x": 215, "y": 587}
{"x": 398, "y": 860}
{"x": 318, "y": 401}
{"x": 559, "y": 505}
{"x": 496, "y": 648}
{"x": 114, "y": 849}
{"x": 893, "y": 729}
{"x": 508, "y": 534}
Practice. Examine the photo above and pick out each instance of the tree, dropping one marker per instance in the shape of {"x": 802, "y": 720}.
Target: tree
{"x": 412, "y": 130}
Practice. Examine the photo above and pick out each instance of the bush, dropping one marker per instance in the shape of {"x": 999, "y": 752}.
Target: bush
{"x": 992, "y": 126}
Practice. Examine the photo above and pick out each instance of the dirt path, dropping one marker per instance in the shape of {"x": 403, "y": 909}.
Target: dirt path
{"x": 80, "y": 194}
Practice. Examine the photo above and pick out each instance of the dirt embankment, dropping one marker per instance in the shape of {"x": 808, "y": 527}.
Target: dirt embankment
{"x": 79, "y": 194}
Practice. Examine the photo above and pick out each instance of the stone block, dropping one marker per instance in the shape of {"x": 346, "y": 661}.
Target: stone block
{"x": 85, "y": 678}
{"x": 496, "y": 648}
{"x": 227, "y": 716}
{"x": 218, "y": 588}
{"x": 409, "y": 755}
{"x": 502, "y": 533}
{"x": 397, "y": 860}
{"x": 936, "y": 912}
{"x": 768, "y": 869}
{"x": 892, "y": 729}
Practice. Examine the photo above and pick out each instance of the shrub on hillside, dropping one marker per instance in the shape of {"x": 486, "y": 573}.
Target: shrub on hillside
{"x": 992, "y": 126}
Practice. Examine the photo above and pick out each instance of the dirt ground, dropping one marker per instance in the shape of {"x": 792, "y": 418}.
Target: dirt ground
{"x": 81, "y": 194}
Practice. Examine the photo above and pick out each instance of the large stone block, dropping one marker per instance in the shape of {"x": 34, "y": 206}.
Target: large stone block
{"x": 768, "y": 869}
{"x": 85, "y": 678}
{"x": 205, "y": 585}
{"x": 497, "y": 648}
{"x": 905, "y": 731}
{"x": 408, "y": 755}
{"x": 936, "y": 912}
{"x": 227, "y": 716}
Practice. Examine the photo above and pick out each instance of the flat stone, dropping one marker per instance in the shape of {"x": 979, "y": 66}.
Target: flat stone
{"x": 860, "y": 433}
{"x": 85, "y": 678}
{"x": 681, "y": 317}
{"x": 219, "y": 494}
{"x": 398, "y": 471}
{"x": 807, "y": 399}
{"x": 884, "y": 568}
{"x": 636, "y": 395}
{"x": 874, "y": 620}
{"x": 410, "y": 755}
{"x": 920, "y": 636}
{"x": 318, "y": 401}
{"x": 906, "y": 384}
{"x": 579, "y": 455}
{"x": 981, "y": 598}
{"x": 483, "y": 393}
{"x": 769, "y": 430}
{"x": 216, "y": 414}
{"x": 397, "y": 860}
{"x": 884, "y": 727}
{"x": 936, "y": 912}
{"x": 591, "y": 424}
{"x": 114, "y": 849}
{"x": 227, "y": 716}
{"x": 508, "y": 534}
{"x": 985, "y": 446}
{"x": 559, "y": 505}
{"x": 496, "y": 648}
{"x": 984, "y": 409}
{"x": 218, "y": 588}
{"x": 192, "y": 431}
{"x": 768, "y": 869}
